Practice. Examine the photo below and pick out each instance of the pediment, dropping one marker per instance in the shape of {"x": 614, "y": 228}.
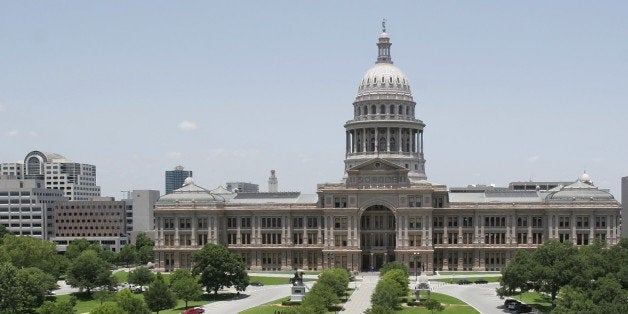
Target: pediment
{"x": 377, "y": 164}
{"x": 377, "y": 173}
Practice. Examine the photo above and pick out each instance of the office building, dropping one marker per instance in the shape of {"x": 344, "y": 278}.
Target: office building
{"x": 175, "y": 178}
{"x": 77, "y": 181}
{"x": 26, "y": 206}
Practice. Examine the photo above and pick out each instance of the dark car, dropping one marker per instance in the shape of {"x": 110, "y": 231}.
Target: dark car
{"x": 464, "y": 281}
{"x": 481, "y": 281}
{"x": 256, "y": 283}
{"x": 524, "y": 308}
{"x": 508, "y": 301}
{"x": 514, "y": 305}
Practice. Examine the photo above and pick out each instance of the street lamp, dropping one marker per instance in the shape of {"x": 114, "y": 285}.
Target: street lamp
{"x": 372, "y": 263}
{"x": 415, "y": 256}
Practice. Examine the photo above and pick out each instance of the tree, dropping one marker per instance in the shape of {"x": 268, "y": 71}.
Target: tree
{"x": 185, "y": 286}
{"x": 399, "y": 276}
{"x": 378, "y": 309}
{"x": 141, "y": 276}
{"x": 555, "y": 266}
{"x": 320, "y": 297}
{"x": 59, "y": 307}
{"x": 220, "y": 268}
{"x": 78, "y": 246}
{"x": 3, "y": 231}
{"x": 88, "y": 271}
{"x": 131, "y": 304}
{"x": 144, "y": 247}
{"x": 41, "y": 254}
{"x": 517, "y": 275}
{"x": 128, "y": 255}
{"x": 432, "y": 305}
{"x": 337, "y": 279}
{"x": 35, "y": 284}
{"x": 104, "y": 295}
{"x": 394, "y": 265}
{"x": 159, "y": 297}
{"x": 387, "y": 293}
{"x": 13, "y": 298}
{"x": 108, "y": 308}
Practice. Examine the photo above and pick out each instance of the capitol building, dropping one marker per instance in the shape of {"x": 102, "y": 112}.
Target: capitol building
{"x": 384, "y": 208}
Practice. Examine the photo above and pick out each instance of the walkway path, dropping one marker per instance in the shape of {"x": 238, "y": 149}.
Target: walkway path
{"x": 360, "y": 300}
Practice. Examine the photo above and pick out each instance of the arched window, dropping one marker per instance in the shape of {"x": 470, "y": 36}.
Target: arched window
{"x": 393, "y": 147}
{"x": 382, "y": 144}
{"x": 382, "y": 109}
{"x": 400, "y": 109}
{"x": 408, "y": 110}
{"x": 373, "y": 109}
{"x": 372, "y": 145}
{"x": 392, "y": 109}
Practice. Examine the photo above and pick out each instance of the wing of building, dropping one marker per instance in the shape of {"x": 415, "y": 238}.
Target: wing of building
{"x": 383, "y": 208}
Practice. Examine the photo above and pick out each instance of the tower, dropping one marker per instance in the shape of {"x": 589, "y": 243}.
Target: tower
{"x": 273, "y": 184}
{"x": 384, "y": 123}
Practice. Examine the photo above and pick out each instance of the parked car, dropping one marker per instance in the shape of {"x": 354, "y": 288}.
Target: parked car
{"x": 464, "y": 281}
{"x": 508, "y": 301}
{"x": 256, "y": 283}
{"x": 524, "y": 308}
{"x": 481, "y": 281}
{"x": 194, "y": 310}
{"x": 514, "y": 305}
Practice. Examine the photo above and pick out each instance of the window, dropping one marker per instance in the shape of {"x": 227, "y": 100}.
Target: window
{"x": 202, "y": 223}
{"x": 437, "y": 238}
{"x": 297, "y": 238}
{"x": 563, "y": 221}
{"x": 582, "y": 239}
{"x": 438, "y": 221}
{"x": 537, "y": 222}
{"x": 232, "y": 238}
{"x": 168, "y": 223}
{"x": 271, "y": 238}
{"x": 537, "y": 238}
{"x": 312, "y": 238}
{"x": 340, "y": 222}
{"x": 414, "y": 223}
{"x": 414, "y": 200}
{"x": 452, "y": 238}
{"x": 271, "y": 222}
{"x": 297, "y": 222}
{"x": 600, "y": 222}
{"x": 232, "y": 222}
{"x": 185, "y": 223}
{"x": 245, "y": 238}
{"x": 495, "y": 221}
{"x": 340, "y": 202}
{"x": 245, "y": 222}
{"x": 452, "y": 221}
{"x": 582, "y": 221}
{"x": 340, "y": 240}
{"x": 467, "y": 221}
{"x": 467, "y": 238}
{"x": 312, "y": 222}
{"x": 415, "y": 240}
{"x": 563, "y": 237}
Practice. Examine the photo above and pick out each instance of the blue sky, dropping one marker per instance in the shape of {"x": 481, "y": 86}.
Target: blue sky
{"x": 231, "y": 89}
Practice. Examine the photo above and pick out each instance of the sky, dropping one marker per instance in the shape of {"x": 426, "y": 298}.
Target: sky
{"x": 509, "y": 91}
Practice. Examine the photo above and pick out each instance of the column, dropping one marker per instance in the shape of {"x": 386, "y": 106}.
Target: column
{"x": 400, "y": 143}
{"x": 176, "y": 231}
{"x": 376, "y": 140}
{"x": 364, "y": 140}
{"x": 193, "y": 235}
{"x": 421, "y": 142}
{"x": 347, "y": 143}
{"x": 387, "y": 139}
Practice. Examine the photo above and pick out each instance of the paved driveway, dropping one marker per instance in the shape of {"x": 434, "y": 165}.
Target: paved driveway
{"x": 252, "y": 297}
{"x": 482, "y": 297}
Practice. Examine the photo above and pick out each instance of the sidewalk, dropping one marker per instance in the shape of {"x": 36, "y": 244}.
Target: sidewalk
{"x": 360, "y": 300}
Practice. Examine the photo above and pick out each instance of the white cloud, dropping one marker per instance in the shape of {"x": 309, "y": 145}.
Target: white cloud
{"x": 187, "y": 126}
{"x": 33, "y": 134}
{"x": 12, "y": 133}
{"x": 173, "y": 155}
{"x": 534, "y": 158}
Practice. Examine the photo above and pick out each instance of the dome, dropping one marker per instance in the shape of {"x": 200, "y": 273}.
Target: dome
{"x": 585, "y": 177}
{"x": 190, "y": 193}
{"x": 384, "y": 78}
{"x": 580, "y": 191}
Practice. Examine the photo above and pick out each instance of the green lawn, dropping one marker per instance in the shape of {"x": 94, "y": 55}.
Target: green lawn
{"x": 452, "y": 306}
{"x": 455, "y": 279}
{"x": 269, "y": 281}
{"x": 464, "y": 273}
{"x": 537, "y": 300}
{"x": 86, "y": 303}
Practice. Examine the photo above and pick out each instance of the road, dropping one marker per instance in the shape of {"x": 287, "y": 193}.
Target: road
{"x": 252, "y": 297}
